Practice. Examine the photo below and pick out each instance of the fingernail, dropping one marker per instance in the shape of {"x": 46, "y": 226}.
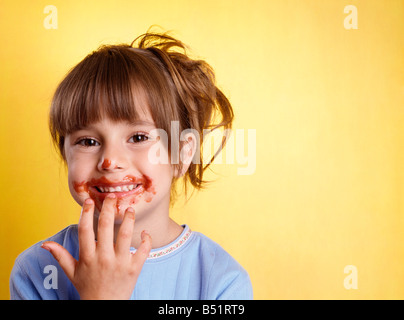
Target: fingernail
{"x": 44, "y": 246}
{"x": 145, "y": 232}
{"x": 130, "y": 212}
{"x": 89, "y": 201}
{"x": 111, "y": 196}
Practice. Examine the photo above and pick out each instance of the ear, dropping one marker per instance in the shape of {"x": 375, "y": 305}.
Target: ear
{"x": 189, "y": 144}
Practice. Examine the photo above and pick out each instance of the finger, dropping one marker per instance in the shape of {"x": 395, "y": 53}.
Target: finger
{"x": 105, "y": 231}
{"x": 125, "y": 233}
{"x": 62, "y": 256}
{"x": 142, "y": 253}
{"x": 86, "y": 230}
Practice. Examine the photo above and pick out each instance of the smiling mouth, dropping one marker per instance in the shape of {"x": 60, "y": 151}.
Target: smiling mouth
{"x": 128, "y": 186}
{"x": 123, "y": 188}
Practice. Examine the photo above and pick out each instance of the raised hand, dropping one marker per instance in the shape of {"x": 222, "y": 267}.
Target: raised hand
{"x": 104, "y": 270}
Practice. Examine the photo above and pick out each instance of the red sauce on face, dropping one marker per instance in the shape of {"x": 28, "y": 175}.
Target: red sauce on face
{"x": 146, "y": 190}
{"x": 80, "y": 186}
{"x": 106, "y": 164}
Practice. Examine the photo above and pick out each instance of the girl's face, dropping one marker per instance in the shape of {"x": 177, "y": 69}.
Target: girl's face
{"x": 109, "y": 156}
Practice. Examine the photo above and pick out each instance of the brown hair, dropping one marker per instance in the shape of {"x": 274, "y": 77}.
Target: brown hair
{"x": 111, "y": 81}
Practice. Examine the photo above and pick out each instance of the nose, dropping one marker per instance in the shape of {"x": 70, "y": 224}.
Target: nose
{"x": 106, "y": 164}
{"x": 111, "y": 160}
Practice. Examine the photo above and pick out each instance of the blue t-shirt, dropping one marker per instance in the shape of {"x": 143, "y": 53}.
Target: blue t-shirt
{"x": 191, "y": 267}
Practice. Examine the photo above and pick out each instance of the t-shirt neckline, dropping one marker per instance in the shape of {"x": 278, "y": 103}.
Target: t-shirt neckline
{"x": 171, "y": 247}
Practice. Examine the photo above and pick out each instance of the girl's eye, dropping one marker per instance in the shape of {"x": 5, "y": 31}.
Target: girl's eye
{"x": 138, "y": 138}
{"x": 87, "y": 142}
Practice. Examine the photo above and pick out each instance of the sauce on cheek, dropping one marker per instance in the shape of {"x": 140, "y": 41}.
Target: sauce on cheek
{"x": 149, "y": 189}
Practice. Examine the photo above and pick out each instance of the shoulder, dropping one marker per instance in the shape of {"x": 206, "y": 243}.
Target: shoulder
{"x": 68, "y": 237}
{"x": 31, "y": 266}
{"x": 225, "y": 277}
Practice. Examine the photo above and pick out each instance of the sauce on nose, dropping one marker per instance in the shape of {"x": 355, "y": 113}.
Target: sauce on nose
{"x": 106, "y": 164}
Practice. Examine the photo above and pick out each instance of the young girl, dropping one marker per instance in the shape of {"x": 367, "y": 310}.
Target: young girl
{"x": 111, "y": 118}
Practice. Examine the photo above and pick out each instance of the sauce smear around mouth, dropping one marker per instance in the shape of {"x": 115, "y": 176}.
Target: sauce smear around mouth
{"x": 88, "y": 187}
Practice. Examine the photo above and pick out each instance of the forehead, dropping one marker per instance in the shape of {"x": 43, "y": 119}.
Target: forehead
{"x": 142, "y": 117}
{"x": 132, "y": 106}
{"x": 114, "y": 83}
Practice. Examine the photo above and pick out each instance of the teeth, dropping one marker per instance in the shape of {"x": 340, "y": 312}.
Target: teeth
{"x": 118, "y": 189}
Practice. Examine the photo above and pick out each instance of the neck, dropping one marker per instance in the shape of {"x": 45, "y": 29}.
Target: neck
{"x": 162, "y": 232}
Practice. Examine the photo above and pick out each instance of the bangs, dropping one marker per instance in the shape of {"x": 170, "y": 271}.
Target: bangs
{"x": 118, "y": 82}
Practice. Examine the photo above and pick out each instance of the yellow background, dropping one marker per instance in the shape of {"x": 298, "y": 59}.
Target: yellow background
{"x": 326, "y": 103}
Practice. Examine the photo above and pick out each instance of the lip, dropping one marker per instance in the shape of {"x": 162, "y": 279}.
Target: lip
{"x": 95, "y": 184}
{"x": 144, "y": 186}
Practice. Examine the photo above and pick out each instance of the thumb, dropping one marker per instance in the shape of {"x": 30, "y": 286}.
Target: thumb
{"x": 62, "y": 256}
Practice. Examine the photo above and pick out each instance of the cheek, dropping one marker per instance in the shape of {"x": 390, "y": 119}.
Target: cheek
{"x": 157, "y": 176}
{"x": 77, "y": 174}
{"x": 79, "y": 191}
